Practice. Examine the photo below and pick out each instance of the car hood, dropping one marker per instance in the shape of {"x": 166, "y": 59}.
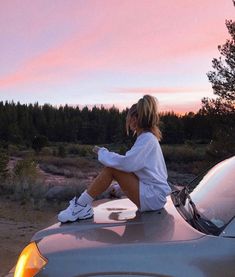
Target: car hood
{"x": 117, "y": 222}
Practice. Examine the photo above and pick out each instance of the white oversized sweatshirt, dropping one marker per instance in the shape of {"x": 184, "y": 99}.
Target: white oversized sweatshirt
{"x": 144, "y": 159}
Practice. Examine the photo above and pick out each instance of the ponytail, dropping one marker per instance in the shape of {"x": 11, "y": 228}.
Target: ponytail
{"x": 148, "y": 116}
{"x": 146, "y": 112}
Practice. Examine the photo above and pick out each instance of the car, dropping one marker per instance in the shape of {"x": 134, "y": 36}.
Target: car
{"x": 193, "y": 235}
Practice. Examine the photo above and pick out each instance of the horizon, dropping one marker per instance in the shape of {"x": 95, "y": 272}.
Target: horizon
{"x": 111, "y": 52}
{"x": 90, "y": 107}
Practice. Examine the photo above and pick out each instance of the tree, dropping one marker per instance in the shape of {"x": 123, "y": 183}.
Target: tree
{"x": 223, "y": 76}
{"x": 222, "y": 108}
{"x": 39, "y": 142}
{"x": 172, "y": 128}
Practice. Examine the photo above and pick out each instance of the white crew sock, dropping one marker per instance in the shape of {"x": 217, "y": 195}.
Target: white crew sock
{"x": 85, "y": 199}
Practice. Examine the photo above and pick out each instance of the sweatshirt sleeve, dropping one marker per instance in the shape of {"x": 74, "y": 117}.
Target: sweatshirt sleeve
{"x": 133, "y": 160}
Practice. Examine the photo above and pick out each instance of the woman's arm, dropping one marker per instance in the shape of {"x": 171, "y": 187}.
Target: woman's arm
{"x": 133, "y": 160}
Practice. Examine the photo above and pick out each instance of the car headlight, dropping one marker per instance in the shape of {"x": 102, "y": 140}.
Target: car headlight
{"x": 30, "y": 261}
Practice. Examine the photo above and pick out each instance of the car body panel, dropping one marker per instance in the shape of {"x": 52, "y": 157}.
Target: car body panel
{"x": 117, "y": 222}
{"x": 229, "y": 230}
{"x": 121, "y": 241}
{"x": 205, "y": 256}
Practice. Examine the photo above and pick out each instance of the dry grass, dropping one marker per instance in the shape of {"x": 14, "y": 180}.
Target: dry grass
{"x": 183, "y": 153}
{"x": 69, "y": 167}
{"x": 61, "y": 178}
{"x": 186, "y": 158}
{"x": 27, "y": 183}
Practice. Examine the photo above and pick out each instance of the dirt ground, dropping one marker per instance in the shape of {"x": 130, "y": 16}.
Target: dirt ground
{"x": 18, "y": 223}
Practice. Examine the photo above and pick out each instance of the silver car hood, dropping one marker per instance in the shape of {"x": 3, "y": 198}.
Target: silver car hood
{"x": 117, "y": 222}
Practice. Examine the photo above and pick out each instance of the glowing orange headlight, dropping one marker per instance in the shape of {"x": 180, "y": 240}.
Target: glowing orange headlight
{"x": 30, "y": 261}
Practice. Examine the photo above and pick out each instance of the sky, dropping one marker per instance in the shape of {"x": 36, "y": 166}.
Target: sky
{"x": 110, "y": 52}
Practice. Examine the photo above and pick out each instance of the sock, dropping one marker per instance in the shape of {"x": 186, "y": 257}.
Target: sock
{"x": 85, "y": 199}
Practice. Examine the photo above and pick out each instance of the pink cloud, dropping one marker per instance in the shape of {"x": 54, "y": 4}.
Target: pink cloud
{"x": 118, "y": 36}
{"x": 67, "y": 58}
{"x": 154, "y": 90}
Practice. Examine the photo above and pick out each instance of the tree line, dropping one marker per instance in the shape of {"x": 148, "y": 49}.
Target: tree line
{"x": 22, "y": 123}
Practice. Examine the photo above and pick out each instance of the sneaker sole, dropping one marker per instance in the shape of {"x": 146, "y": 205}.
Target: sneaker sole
{"x": 71, "y": 221}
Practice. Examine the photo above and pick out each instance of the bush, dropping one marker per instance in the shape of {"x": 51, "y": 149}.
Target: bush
{"x": 26, "y": 169}
{"x": 25, "y": 184}
{"x": 61, "y": 151}
{"x": 39, "y": 142}
{"x": 183, "y": 153}
{"x": 13, "y": 150}
{"x": 80, "y": 150}
{"x": 123, "y": 149}
{"x": 4, "y": 159}
{"x": 26, "y": 189}
{"x": 223, "y": 145}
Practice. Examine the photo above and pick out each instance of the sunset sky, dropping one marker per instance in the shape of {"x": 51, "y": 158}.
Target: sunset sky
{"x": 86, "y": 52}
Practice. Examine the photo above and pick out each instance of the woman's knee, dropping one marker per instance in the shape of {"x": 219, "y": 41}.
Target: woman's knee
{"x": 121, "y": 176}
{"x": 111, "y": 170}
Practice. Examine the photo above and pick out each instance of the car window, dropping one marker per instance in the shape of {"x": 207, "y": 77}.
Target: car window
{"x": 215, "y": 194}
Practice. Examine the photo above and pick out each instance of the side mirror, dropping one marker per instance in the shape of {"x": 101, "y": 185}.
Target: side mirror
{"x": 229, "y": 230}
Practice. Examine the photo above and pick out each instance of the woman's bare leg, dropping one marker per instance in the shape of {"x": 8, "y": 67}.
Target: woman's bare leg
{"x": 129, "y": 183}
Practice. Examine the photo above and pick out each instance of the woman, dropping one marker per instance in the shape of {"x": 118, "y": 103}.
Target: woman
{"x": 141, "y": 172}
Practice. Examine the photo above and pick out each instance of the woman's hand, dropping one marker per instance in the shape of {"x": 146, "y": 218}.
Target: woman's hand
{"x": 96, "y": 149}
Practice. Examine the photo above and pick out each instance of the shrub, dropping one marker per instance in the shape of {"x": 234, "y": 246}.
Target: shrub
{"x": 26, "y": 169}
{"x": 46, "y": 151}
{"x": 223, "y": 145}
{"x": 39, "y": 142}
{"x": 80, "y": 150}
{"x": 25, "y": 184}
{"x": 183, "y": 153}
{"x": 26, "y": 189}
{"x": 61, "y": 151}
{"x": 13, "y": 150}
{"x": 4, "y": 159}
{"x": 122, "y": 149}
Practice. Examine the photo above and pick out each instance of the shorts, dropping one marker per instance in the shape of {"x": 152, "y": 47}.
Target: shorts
{"x": 151, "y": 197}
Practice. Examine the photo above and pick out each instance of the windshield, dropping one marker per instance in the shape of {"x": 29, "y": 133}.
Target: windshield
{"x": 215, "y": 194}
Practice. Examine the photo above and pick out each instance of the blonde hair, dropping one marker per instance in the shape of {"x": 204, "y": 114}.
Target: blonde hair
{"x": 131, "y": 113}
{"x": 146, "y": 112}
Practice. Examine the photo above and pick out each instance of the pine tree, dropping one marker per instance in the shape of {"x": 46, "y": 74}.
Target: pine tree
{"x": 222, "y": 77}
{"x": 222, "y": 108}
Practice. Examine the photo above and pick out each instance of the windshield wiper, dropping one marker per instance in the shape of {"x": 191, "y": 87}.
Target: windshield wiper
{"x": 179, "y": 197}
{"x": 197, "y": 220}
{"x": 183, "y": 196}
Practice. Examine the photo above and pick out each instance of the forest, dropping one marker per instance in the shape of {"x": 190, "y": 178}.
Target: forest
{"x": 24, "y": 124}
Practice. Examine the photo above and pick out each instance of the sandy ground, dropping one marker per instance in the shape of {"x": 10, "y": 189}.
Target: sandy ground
{"x": 18, "y": 223}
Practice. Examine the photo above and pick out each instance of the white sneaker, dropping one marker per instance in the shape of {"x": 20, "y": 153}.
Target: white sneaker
{"x": 75, "y": 211}
{"x": 116, "y": 191}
